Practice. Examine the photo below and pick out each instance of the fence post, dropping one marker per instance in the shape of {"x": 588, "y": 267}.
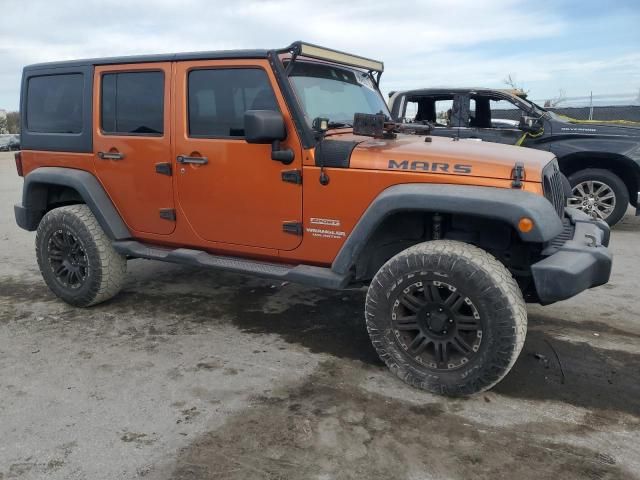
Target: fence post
{"x": 591, "y": 106}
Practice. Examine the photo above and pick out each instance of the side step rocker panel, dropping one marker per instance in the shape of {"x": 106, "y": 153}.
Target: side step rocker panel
{"x": 305, "y": 274}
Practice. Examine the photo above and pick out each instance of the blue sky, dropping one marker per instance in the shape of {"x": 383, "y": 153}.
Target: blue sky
{"x": 547, "y": 46}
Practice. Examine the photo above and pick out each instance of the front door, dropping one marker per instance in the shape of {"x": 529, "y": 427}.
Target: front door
{"x": 231, "y": 191}
{"x": 132, "y": 143}
{"x": 494, "y": 120}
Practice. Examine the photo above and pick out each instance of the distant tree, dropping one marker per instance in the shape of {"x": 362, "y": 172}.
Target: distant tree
{"x": 3, "y": 124}
{"x": 513, "y": 83}
{"x": 13, "y": 122}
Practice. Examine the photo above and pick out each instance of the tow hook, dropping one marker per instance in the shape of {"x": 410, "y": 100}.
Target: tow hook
{"x": 592, "y": 239}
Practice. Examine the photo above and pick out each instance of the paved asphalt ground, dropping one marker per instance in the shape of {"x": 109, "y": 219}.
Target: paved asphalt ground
{"x": 194, "y": 374}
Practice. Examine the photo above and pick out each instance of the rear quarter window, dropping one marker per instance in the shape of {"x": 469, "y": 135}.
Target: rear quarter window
{"x": 55, "y": 103}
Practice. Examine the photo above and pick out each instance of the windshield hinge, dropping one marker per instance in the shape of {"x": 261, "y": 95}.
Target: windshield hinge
{"x": 517, "y": 175}
{"x": 292, "y": 176}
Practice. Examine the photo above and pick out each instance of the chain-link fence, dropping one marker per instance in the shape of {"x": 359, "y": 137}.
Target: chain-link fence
{"x": 596, "y": 107}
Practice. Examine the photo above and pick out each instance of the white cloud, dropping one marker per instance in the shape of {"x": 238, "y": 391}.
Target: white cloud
{"x": 422, "y": 42}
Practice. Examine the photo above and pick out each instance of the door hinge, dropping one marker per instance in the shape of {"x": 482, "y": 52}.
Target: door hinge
{"x": 292, "y": 227}
{"x": 292, "y": 176}
{"x": 163, "y": 168}
{"x": 168, "y": 214}
{"x": 517, "y": 175}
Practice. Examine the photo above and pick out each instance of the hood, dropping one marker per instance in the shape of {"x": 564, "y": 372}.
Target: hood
{"x": 444, "y": 156}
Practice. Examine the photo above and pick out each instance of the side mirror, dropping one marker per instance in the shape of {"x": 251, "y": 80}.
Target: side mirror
{"x": 264, "y": 126}
{"x": 529, "y": 124}
{"x": 267, "y": 126}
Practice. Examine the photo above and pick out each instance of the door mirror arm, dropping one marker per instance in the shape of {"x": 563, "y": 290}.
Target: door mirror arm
{"x": 284, "y": 155}
{"x": 529, "y": 124}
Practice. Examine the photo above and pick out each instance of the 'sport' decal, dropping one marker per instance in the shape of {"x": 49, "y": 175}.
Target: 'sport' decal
{"x": 325, "y": 228}
{"x": 324, "y": 221}
{"x": 437, "y": 167}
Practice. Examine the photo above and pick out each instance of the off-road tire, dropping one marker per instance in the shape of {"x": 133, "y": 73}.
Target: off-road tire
{"x": 613, "y": 181}
{"x": 477, "y": 277}
{"x": 105, "y": 269}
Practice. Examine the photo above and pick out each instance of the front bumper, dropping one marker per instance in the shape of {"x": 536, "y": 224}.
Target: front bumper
{"x": 577, "y": 261}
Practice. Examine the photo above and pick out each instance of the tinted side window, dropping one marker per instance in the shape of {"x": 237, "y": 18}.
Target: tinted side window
{"x": 54, "y": 103}
{"x": 218, "y": 99}
{"x": 133, "y": 103}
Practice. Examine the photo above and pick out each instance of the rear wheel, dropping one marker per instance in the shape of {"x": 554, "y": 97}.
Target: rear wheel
{"x": 446, "y": 317}
{"x": 599, "y": 193}
{"x": 76, "y": 258}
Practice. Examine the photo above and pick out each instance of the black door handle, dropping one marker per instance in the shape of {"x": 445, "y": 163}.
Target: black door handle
{"x": 110, "y": 155}
{"x": 194, "y": 160}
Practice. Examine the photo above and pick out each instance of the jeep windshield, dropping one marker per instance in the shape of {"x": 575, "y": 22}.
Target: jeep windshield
{"x": 335, "y": 93}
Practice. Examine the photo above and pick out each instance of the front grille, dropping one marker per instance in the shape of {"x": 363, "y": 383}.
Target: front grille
{"x": 553, "y": 187}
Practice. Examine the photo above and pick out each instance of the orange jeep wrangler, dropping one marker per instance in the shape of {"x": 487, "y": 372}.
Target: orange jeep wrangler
{"x": 283, "y": 164}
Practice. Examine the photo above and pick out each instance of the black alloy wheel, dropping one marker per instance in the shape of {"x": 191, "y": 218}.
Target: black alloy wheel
{"x": 67, "y": 259}
{"x": 438, "y": 326}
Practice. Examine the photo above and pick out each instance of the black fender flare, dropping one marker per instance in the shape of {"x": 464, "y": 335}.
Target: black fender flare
{"x": 501, "y": 204}
{"x": 34, "y": 199}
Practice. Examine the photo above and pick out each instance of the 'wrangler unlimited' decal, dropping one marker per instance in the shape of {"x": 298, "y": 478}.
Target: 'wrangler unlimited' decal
{"x": 431, "y": 167}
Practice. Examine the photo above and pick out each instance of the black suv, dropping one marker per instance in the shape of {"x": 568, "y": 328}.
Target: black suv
{"x": 601, "y": 160}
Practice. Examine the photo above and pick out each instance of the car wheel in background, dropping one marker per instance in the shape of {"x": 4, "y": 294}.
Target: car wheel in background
{"x": 599, "y": 193}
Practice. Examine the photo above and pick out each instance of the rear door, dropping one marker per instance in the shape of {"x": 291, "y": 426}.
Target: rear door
{"x": 229, "y": 190}
{"x": 132, "y": 143}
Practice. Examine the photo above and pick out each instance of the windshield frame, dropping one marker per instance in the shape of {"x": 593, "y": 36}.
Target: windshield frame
{"x": 307, "y": 136}
{"x": 528, "y": 105}
{"x": 356, "y": 71}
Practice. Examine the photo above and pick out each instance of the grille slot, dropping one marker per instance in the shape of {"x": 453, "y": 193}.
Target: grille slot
{"x": 554, "y": 245}
{"x": 553, "y": 187}
{"x": 565, "y": 236}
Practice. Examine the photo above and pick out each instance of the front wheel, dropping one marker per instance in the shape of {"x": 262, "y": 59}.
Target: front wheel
{"x": 599, "y": 193}
{"x": 446, "y": 317}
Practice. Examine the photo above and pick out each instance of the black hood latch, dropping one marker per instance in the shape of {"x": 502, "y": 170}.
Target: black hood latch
{"x": 517, "y": 175}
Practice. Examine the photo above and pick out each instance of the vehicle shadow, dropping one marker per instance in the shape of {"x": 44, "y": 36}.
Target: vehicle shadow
{"x": 574, "y": 372}
{"x": 333, "y": 324}
{"x": 550, "y": 369}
